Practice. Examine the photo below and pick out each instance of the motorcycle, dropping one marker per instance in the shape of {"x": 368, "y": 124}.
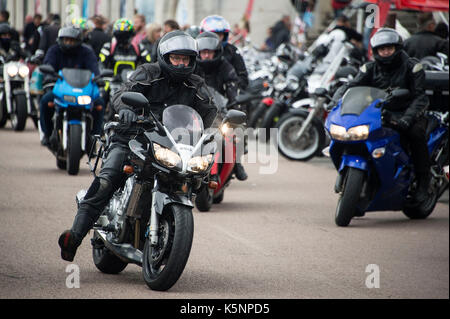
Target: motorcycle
{"x": 149, "y": 221}
{"x": 15, "y": 99}
{"x": 375, "y": 170}
{"x": 75, "y": 90}
{"x": 301, "y": 134}
{"x": 221, "y": 173}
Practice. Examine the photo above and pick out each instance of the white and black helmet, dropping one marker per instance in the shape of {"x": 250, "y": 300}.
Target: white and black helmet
{"x": 177, "y": 42}
{"x": 386, "y": 37}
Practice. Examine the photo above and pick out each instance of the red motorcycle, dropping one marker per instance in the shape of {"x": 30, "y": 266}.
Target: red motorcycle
{"x": 221, "y": 174}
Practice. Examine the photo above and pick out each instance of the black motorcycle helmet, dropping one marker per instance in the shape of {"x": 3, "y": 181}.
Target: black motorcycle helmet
{"x": 386, "y": 37}
{"x": 70, "y": 32}
{"x": 5, "y": 36}
{"x": 209, "y": 41}
{"x": 177, "y": 42}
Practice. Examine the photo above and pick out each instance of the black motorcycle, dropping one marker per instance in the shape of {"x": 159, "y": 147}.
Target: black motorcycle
{"x": 149, "y": 220}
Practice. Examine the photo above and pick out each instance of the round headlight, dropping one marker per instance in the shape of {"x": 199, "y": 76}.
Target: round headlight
{"x": 24, "y": 71}
{"x": 12, "y": 70}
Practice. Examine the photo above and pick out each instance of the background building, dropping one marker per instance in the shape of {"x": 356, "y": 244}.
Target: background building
{"x": 264, "y": 14}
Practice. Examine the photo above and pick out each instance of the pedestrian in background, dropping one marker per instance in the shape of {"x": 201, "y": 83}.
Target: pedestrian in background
{"x": 139, "y": 28}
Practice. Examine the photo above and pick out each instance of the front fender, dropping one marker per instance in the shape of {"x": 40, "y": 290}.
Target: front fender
{"x": 354, "y": 161}
{"x": 163, "y": 199}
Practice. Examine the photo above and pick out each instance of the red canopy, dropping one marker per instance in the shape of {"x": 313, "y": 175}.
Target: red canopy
{"x": 419, "y": 5}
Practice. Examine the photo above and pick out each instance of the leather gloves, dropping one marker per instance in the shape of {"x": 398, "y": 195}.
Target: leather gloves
{"x": 127, "y": 116}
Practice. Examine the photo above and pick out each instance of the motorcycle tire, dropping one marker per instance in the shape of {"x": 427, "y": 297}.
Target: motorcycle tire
{"x": 61, "y": 164}
{"x": 313, "y": 137}
{"x": 218, "y": 198}
{"x": 257, "y": 115}
{"x": 3, "y": 113}
{"x": 74, "y": 149}
{"x": 204, "y": 199}
{"x": 163, "y": 264}
{"x": 105, "y": 260}
{"x": 19, "y": 118}
{"x": 424, "y": 209}
{"x": 347, "y": 204}
{"x": 271, "y": 118}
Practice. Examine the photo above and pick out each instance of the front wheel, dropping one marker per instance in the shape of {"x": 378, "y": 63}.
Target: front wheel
{"x": 347, "y": 205}
{"x": 305, "y": 147}
{"x": 74, "y": 149}
{"x": 164, "y": 263}
{"x": 204, "y": 199}
{"x": 3, "y": 112}
{"x": 20, "y": 113}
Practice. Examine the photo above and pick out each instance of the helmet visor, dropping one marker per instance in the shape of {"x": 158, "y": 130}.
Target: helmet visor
{"x": 207, "y": 43}
{"x": 178, "y": 43}
{"x": 384, "y": 38}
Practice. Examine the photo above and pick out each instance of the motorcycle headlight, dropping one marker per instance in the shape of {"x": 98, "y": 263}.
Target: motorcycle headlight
{"x": 356, "y": 133}
{"x": 24, "y": 71}
{"x": 165, "y": 156}
{"x": 200, "y": 163}
{"x": 84, "y": 100}
{"x": 12, "y": 70}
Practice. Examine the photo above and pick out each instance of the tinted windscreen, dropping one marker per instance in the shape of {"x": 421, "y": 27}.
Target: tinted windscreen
{"x": 357, "y": 99}
{"x": 184, "y": 124}
{"x": 76, "y": 77}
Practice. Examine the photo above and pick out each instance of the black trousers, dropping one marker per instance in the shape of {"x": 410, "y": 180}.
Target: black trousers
{"x": 415, "y": 138}
{"x": 110, "y": 178}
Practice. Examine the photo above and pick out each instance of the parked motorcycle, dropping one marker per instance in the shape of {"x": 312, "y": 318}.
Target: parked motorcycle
{"x": 75, "y": 91}
{"x": 149, "y": 220}
{"x": 15, "y": 100}
{"x": 301, "y": 134}
{"x": 375, "y": 171}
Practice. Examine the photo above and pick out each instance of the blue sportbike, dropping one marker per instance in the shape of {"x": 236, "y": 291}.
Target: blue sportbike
{"x": 75, "y": 91}
{"x": 375, "y": 169}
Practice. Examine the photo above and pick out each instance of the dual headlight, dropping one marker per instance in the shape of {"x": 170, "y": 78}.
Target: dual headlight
{"x": 356, "y": 133}
{"x": 171, "y": 159}
{"x": 13, "y": 70}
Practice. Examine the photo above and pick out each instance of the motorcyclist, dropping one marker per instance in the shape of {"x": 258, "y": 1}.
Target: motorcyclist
{"x": 9, "y": 49}
{"x": 221, "y": 27}
{"x": 218, "y": 74}
{"x": 393, "y": 68}
{"x": 120, "y": 52}
{"x": 169, "y": 81}
{"x": 69, "y": 52}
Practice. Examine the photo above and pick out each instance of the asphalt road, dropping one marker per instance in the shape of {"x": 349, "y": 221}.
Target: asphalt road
{"x": 273, "y": 236}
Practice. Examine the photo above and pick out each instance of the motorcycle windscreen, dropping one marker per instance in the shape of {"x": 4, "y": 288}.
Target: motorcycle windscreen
{"x": 77, "y": 78}
{"x": 357, "y": 99}
{"x": 183, "y": 123}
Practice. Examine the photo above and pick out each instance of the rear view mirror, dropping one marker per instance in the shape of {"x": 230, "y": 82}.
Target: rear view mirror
{"x": 235, "y": 117}
{"x": 107, "y": 73}
{"x": 135, "y": 99}
{"x": 47, "y": 69}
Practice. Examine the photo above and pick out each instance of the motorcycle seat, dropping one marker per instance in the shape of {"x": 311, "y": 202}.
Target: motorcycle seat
{"x": 436, "y": 80}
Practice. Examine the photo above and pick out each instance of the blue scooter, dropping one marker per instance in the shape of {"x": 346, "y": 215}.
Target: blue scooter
{"x": 375, "y": 171}
{"x": 75, "y": 90}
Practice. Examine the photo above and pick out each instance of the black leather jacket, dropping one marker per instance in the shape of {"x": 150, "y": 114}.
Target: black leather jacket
{"x": 406, "y": 73}
{"x": 221, "y": 77}
{"x": 425, "y": 43}
{"x": 161, "y": 92}
{"x": 231, "y": 53}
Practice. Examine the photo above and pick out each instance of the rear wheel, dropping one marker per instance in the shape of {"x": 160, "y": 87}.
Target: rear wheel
{"x": 20, "y": 113}
{"x": 164, "y": 263}
{"x": 74, "y": 149}
{"x": 104, "y": 259}
{"x": 347, "y": 204}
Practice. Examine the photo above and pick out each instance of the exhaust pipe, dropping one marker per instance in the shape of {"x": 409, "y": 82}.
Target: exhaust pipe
{"x": 126, "y": 252}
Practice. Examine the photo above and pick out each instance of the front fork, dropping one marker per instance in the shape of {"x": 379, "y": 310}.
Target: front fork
{"x": 154, "y": 217}
{"x": 316, "y": 108}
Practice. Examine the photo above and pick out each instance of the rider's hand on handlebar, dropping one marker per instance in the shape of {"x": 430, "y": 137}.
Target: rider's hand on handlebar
{"x": 127, "y": 116}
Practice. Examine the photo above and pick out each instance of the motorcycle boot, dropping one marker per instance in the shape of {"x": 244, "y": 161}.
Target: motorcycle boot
{"x": 97, "y": 196}
{"x": 239, "y": 172}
